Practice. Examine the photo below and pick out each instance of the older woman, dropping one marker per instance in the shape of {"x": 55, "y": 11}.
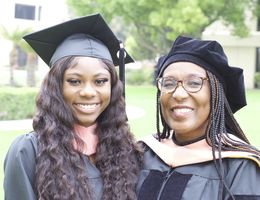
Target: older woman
{"x": 201, "y": 153}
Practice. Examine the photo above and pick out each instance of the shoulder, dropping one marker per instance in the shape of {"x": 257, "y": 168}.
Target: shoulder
{"x": 151, "y": 161}
{"x": 242, "y": 164}
{"x": 242, "y": 171}
{"x": 243, "y": 176}
{"x": 19, "y": 168}
{"x": 24, "y": 143}
{"x": 22, "y": 150}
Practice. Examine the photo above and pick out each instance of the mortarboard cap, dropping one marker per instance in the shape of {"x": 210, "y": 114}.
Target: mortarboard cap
{"x": 86, "y": 36}
{"x": 210, "y": 55}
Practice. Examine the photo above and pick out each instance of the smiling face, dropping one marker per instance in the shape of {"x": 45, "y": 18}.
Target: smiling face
{"x": 186, "y": 113}
{"x": 87, "y": 89}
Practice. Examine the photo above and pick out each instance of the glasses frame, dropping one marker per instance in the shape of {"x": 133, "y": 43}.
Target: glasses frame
{"x": 178, "y": 82}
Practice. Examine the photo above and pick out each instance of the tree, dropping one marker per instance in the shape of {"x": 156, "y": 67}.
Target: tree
{"x": 15, "y": 36}
{"x": 151, "y": 26}
{"x": 31, "y": 63}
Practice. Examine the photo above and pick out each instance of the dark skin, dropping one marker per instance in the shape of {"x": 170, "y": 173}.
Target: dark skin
{"x": 186, "y": 113}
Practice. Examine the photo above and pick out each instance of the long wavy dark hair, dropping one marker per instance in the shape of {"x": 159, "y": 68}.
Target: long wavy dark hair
{"x": 60, "y": 169}
{"x": 222, "y": 123}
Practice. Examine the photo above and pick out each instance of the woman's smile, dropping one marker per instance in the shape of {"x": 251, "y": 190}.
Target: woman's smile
{"x": 181, "y": 113}
{"x": 87, "y": 107}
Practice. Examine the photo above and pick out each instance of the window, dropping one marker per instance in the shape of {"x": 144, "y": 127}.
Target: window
{"x": 23, "y": 11}
{"x": 258, "y": 59}
{"x": 39, "y": 13}
{"x": 258, "y": 19}
{"x": 258, "y": 24}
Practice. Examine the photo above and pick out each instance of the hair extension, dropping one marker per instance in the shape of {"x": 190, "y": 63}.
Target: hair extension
{"x": 216, "y": 128}
{"x": 222, "y": 125}
{"x": 159, "y": 134}
{"x": 60, "y": 169}
{"x": 226, "y": 124}
{"x": 166, "y": 129}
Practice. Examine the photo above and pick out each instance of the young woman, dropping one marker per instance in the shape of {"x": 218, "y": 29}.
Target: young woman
{"x": 81, "y": 146}
{"x": 201, "y": 153}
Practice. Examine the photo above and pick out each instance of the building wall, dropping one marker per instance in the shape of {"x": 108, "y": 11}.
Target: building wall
{"x": 241, "y": 52}
{"x": 47, "y": 12}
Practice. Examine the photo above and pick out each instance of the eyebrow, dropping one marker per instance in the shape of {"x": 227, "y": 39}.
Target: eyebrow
{"x": 80, "y": 74}
{"x": 196, "y": 74}
{"x": 188, "y": 75}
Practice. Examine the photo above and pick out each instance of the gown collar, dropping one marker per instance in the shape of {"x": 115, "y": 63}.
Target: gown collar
{"x": 197, "y": 152}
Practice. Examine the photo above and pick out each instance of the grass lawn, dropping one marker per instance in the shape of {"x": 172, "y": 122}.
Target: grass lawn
{"x": 248, "y": 117}
{"x": 5, "y": 140}
{"x": 143, "y": 97}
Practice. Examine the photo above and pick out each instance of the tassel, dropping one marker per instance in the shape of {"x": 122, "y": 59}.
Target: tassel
{"x": 122, "y": 55}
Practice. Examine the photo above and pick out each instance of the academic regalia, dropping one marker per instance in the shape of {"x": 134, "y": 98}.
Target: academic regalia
{"x": 188, "y": 172}
{"x": 19, "y": 167}
{"x": 172, "y": 172}
{"x": 88, "y": 36}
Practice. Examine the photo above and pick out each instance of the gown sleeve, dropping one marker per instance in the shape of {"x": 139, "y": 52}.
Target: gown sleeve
{"x": 244, "y": 179}
{"x": 19, "y": 169}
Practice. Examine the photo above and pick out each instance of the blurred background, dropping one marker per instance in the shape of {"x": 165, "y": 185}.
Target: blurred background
{"x": 148, "y": 29}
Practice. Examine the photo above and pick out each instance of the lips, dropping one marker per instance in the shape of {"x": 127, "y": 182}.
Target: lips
{"x": 86, "y": 107}
{"x": 181, "y": 111}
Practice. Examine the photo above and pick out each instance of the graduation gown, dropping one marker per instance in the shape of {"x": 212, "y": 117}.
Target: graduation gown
{"x": 172, "y": 172}
{"x": 19, "y": 170}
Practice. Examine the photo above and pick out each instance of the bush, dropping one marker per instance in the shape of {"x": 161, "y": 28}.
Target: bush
{"x": 17, "y": 103}
{"x": 257, "y": 79}
{"x": 142, "y": 76}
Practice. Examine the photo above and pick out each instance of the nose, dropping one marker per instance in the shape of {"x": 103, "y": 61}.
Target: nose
{"x": 179, "y": 92}
{"x": 87, "y": 91}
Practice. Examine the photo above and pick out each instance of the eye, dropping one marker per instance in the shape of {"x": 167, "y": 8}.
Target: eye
{"x": 74, "y": 82}
{"x": 168, "y": 82}
{"x": 193, "y": 82}
{"x": 101, "y": 82}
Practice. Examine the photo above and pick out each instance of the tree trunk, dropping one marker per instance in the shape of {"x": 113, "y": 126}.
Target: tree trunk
{"x": 13, "y": 61}
{"x": 31, "y": 68}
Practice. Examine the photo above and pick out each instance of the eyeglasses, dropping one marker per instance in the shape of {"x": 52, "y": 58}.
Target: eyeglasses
{"x": 169, "y": 84}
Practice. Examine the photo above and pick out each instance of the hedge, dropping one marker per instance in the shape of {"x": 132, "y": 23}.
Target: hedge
{"x": 17, "y": 103}
{"x": 142, "y": 76}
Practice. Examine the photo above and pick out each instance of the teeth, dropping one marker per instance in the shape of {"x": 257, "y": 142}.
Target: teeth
{"x": 182, "y": 110}
{"x": 87, "y": 106}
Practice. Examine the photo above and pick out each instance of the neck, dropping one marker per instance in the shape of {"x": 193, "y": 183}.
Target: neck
{"x": 186, "y": 142}
{"x": 89, "y": 137}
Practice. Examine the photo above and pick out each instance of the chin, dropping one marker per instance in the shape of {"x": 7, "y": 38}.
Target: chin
{"x": 87, "y": 123}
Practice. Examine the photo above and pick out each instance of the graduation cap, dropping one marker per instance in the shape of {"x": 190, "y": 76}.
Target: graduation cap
{"x": 86, "y": 36}
{"x": 209, "y": 55}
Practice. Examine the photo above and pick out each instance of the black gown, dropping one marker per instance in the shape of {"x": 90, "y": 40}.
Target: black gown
{"x": 19, "y": 170}
{"x": 192, "y": 175}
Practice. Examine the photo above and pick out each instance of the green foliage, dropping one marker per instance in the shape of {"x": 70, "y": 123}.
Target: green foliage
{"x": 142, "y": 76}
{"x": 155, "y": 24}
{"x": 17, "y": 103}
{"x": 14, "y": 35}
{"x": 257, "y": 79}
